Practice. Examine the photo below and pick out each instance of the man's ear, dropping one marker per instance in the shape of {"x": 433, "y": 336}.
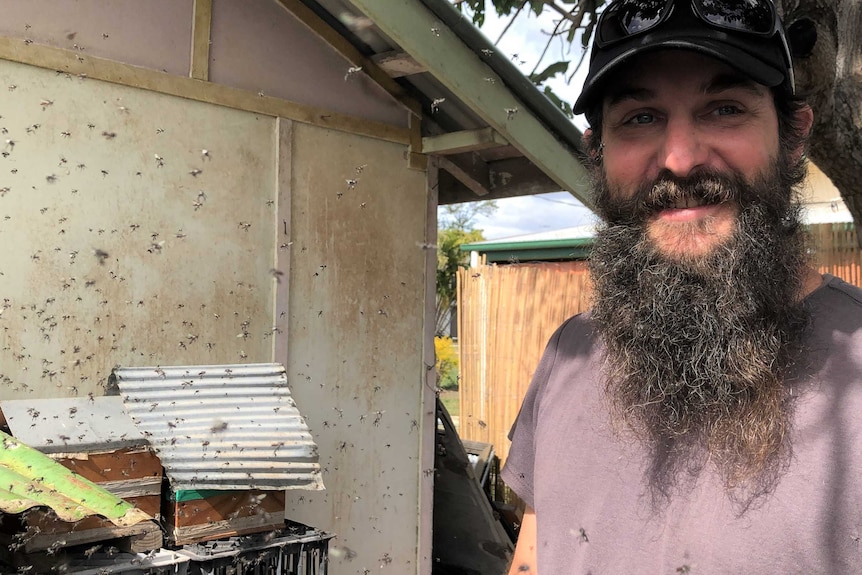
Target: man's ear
{"x": 592, "y": 150}
{"x": 803, "y": 120}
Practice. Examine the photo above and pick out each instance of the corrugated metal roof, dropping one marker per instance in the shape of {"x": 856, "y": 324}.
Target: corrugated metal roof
{"x": 229, "y": 427}
{"x": 29, "y": 478}
{"x": 61, "y": 425}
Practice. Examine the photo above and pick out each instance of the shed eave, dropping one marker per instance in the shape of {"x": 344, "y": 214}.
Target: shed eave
{"x": 440, "y": 47}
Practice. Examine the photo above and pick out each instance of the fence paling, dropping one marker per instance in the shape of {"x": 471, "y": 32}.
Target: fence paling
{"x": 525, "y": 304}
{"x": 507, "y": 313}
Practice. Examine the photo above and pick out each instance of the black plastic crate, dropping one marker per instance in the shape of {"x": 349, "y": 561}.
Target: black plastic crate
{"x": 275, "y": 553}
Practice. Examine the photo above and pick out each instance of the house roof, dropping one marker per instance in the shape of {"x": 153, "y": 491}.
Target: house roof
{"x": 563, "y": 244}
{"x": 493, "y": 132}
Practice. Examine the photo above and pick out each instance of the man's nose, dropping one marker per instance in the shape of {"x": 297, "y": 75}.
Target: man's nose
{"x": 683, "y": 150}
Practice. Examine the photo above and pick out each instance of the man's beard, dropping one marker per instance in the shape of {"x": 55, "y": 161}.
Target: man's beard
{"x": 698, "y": 350}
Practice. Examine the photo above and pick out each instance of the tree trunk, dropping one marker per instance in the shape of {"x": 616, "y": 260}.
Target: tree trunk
{"x": 830, "y": 78}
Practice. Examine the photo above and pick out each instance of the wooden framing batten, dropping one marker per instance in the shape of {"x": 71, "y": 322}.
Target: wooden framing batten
{"x": 470, "y": 170}
{"x": 347, "y": 50}
{"x": 202, "y": 14}
{"x": 416, "y": 160}
{"x": 397, "y": 64}
{"x": 91, "y": 67}
{"x": 464, "y": 141}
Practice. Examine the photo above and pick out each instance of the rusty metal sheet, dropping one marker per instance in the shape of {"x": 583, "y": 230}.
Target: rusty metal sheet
{"x": 227, "y": 427}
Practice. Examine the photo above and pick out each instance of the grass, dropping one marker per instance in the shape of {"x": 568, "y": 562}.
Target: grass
{"x": 450, "y": 400}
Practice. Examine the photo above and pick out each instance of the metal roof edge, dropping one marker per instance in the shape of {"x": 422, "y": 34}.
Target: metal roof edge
{"x": 458, "y": 56}
{"x": 519, "y": 246}
{"x": 553, "y": 118}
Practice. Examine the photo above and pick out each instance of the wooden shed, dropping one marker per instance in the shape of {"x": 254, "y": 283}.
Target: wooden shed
{"x": 210, "y": 182}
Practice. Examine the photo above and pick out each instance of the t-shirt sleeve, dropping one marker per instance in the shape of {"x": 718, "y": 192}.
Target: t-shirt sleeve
{"x": 520, "y": 463}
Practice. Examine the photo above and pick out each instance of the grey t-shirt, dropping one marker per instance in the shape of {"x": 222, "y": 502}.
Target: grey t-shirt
{"x": 587, "y": 484}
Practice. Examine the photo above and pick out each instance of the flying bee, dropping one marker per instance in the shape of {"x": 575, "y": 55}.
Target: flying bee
{"x": 351, "y": 71}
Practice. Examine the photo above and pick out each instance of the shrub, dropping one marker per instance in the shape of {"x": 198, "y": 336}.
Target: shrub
{"x": 447, "y": 362}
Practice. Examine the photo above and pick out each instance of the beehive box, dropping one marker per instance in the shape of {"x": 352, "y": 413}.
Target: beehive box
{"x": 195, "y": 516}
{"x": 94, "y": 438}
{"x": 231, "y": 440}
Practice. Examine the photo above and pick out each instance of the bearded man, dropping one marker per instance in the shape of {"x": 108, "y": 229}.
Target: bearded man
{"x": 706, "y": 415}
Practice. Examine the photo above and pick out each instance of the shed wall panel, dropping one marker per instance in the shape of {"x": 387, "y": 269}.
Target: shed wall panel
{"x": 357, "y": 285}
{"x": 257, "y": 45}
{"x": 154, "y": 34}
{"x": 132, "y": 245}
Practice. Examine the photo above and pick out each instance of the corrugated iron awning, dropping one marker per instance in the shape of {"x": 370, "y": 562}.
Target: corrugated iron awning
{"x": 29, "y": 478}
{"x": 225, "y": 427}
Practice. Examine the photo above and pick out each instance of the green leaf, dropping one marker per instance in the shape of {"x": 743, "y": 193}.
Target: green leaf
{"x": 549, "y": 72}
{"x": 563, "y": 105}
{"x": 538, "y": 6}
{"x": 506, "y": 7}
{"x": 475, "y": 9}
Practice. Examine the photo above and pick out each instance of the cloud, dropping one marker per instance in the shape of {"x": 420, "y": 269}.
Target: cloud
{"x": 531, "y": 214}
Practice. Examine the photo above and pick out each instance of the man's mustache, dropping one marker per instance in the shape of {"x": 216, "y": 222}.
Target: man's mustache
{"x": 667, "y": 191}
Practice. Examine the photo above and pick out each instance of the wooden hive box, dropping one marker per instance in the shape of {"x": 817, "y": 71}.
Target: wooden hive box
{"x": 195, "y": 516}
{"x": 94, "y": 438}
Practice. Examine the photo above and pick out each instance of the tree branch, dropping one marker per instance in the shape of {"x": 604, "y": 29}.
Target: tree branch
{"x": 512, "y": 21}
{"x": 547, "y": 45}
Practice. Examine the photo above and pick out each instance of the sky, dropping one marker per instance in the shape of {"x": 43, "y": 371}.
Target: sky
{"x": 545, "y": 212}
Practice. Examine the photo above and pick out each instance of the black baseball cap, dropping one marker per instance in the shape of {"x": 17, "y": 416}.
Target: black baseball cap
{"x": 715, "y": 28}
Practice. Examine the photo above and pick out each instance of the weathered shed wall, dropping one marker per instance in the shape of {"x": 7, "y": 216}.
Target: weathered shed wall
{"x": 259, "y": 46}
{"x": 255, "y": 45}
{"x": 117, "y": 251}
{"x": 355, "y": 341}
{"x": 297, "y": 237}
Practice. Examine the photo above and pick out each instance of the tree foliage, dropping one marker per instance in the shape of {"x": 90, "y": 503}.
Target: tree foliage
{"x": 447, "y": 362}
{"x": 457, "y": 227}
{"x": 449, "y": 259}
{"x": 574, "y": 21}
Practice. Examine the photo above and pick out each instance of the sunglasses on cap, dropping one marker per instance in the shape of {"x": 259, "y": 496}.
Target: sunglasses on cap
{"x": 623, "y": 19}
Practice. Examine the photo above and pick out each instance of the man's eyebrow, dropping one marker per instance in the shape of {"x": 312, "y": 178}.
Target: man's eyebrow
{"x": 624, "y": 92}
{"x": 723, "y": 82}
{"x": 715, "y": 85}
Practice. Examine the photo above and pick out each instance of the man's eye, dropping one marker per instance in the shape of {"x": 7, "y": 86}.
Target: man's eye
{"x": 727, "y": 110}
{"x": 642, "y": 118}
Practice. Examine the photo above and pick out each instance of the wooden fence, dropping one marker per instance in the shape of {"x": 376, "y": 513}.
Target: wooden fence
{"x": 834, "y": 250}
{"x": 507, "y": 313}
